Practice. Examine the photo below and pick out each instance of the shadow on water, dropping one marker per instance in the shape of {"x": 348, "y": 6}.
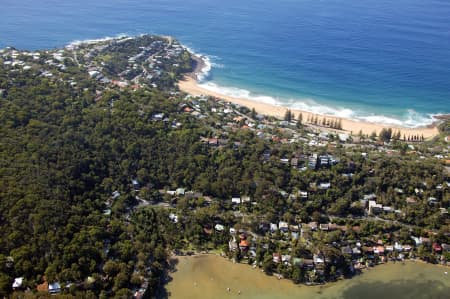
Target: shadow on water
{"x": 173, "y": 262}
{"x": 399, "y": 289}
{"x": 162, "y": 292}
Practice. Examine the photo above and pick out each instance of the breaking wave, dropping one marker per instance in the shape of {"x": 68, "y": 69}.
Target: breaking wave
{"x": 410, "y": 119}
{"x": 76, "y": 43}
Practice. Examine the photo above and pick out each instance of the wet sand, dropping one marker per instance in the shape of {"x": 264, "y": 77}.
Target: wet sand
{"x": 209, "y": 276}
{"x": 191, "y": 86}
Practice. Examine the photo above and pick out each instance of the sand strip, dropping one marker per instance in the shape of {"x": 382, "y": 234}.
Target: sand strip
{"x": 191, "y": 86}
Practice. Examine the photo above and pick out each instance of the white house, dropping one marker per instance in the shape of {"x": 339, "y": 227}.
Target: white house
{"x": 17, "y": 283}
{"x": 236, "y": 200}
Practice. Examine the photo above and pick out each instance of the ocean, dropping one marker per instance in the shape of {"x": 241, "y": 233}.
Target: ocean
{"x": 375, "y": 60}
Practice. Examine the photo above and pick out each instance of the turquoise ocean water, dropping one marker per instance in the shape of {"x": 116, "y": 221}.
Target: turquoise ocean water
{"x": 377, "y": 60}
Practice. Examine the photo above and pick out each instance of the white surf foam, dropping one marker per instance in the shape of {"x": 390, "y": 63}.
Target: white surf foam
{"x": 209, "y": 61}
{"x": 76, "y": 43}
{"x": 411, "y": 119}
{"x": 238, "y": 93}
{"x": 205, "y": 72}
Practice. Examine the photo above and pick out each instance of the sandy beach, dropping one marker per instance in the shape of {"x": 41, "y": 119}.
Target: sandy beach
{"x": 191, "y": 86}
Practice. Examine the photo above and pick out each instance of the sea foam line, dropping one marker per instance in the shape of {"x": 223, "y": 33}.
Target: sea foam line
{"x": 411, "y": 118}
{"x": 209, "y": 62}
{"x": 76, "y": 43}
{"x": 204, "y": 73}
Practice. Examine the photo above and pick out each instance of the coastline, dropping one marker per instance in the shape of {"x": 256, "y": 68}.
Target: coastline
{"x": 198, "y": 275}
{"x": 364, "y": 270}
{"x": 191, "y": 86}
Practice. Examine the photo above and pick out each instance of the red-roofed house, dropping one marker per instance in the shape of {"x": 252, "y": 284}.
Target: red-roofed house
{"x": 437, "y": 247}
{"x": 243, "y": 245}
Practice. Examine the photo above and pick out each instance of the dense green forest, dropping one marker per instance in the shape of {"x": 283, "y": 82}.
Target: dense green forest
{"x": 62, "y": 155}
{"x": 69, "y": 211}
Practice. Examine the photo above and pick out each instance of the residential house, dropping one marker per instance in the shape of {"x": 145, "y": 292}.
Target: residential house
{"x": 312, "y": 161}
{"x": 296, "y": 261}
{"x": 294, "y": 162}
{"x": 173, "y": 218}
{"x": 398, "y": 247}
{"x": 319, "y": 260}
{"x": 307, "y": 263}
{"x": 407, "y": 248}
{"x": 192, "y": 194}
{"x": 17, "y": 284}
{"x": 347, "y": 250}
{"x": 389, "y": 248}
{"x": 273, "y": 227}
{"x": 356, "y": 251}
{"x": 303, "y": 194}
{"x": 323, "y": 226}
{"x": 158, "y": 116}
{"x": 264, "y": 227}
{"x": 212, "y": 141}
{"x": 286, "y": 259}
{"x": 432, "y": 200}
{"x": 371, "y": 196}
{"x": 236, "y": 200}
{"x": 445, "y": 247}
{"x": 312, "y": 225}
{"x": 343, "y": 137}
{"x": 374, "y": 208}
{"x": 411, "y": 200}
{"x": 245, "y": 199}
{"x": 284, "y": 161}
{"x": 324, "y": 161}
{"x": 219, "y": 227}
{"x": 115, "y": 195}
{"x": 43, "y": 287}
{"x": 283, "y": 226}
{"x": 54, "y": 288}
{"x": 334, "y": 226}
{"x": 294, "y": 228}
{"x": 399, "y": 190}
{"x": 388, "y": 209}
{"x": 244, "y": 244}
{"x": 367, "y": 249}
{"x": 232, "y": 244}
{"x": 135, "y": 184}
{"x": 276, "y": 258}
{"x": 425, "y": 240}
{"x": 324, "y": 186}
{"x": 437, "y": 247}
{"x": 356, "y": 229}
{"x": 378, "y": 250}
{"x": 266, "y": 155}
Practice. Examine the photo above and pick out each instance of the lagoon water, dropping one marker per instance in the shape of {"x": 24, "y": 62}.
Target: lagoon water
{"x": 210, "y": 276}
{"x": 377, "y": 60}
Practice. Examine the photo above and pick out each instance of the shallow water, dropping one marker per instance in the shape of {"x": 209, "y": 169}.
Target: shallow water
{"x": 210, "y": 276}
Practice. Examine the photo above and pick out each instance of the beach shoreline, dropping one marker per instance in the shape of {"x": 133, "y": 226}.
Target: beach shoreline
{"x": 191, "y": 85}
